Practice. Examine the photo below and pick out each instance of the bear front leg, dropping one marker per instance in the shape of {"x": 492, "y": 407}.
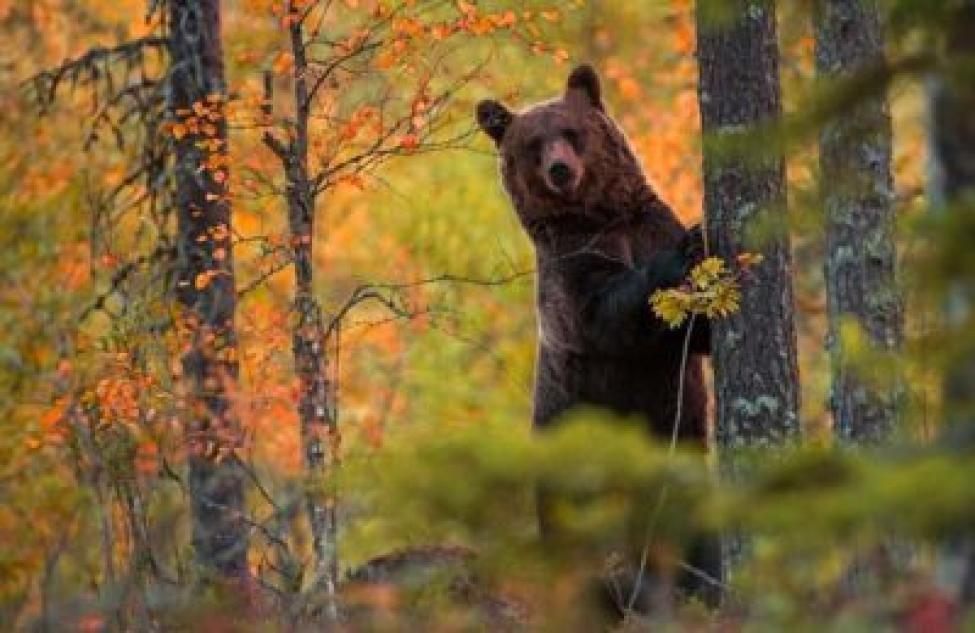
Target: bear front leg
{"x": 615, "y": 316}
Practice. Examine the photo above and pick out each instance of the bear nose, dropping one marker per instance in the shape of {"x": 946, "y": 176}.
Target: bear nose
{"x": 560, "y": 174}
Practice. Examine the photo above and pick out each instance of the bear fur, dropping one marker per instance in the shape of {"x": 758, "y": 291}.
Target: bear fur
{"x": 604, "y": 242}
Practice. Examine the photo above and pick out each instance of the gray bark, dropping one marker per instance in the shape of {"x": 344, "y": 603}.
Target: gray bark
{"x": 857, "y": 194}
{"x": 753, "y": 351}
{"x": 216, "y": 479}
{"x": 316, "y": 407}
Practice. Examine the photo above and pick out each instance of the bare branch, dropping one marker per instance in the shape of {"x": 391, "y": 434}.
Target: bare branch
{"x": 385, "y": 293}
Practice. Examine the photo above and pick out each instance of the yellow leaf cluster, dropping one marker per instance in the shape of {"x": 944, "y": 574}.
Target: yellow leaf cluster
{"x": 712, "y": 291}
{"x": 671, "y": 305}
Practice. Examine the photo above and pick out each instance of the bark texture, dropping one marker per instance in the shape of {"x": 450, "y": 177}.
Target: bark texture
{"x": 205, "y": 288}
{"x": 857, "y": 191}
{"x": 754, "y": 351}
{"x": 317, "y": 406}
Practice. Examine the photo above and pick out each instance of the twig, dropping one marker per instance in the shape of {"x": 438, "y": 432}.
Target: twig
{"x": 685, "y": 353}
{"x": 367, "y": 292}
{"x": 121, "y": 275}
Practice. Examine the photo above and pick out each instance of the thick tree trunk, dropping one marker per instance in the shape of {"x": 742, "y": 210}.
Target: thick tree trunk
{"x": 753, "y": 351}
{"x": 855, "y": 157}
{"x": 952, "y": 191}
{"x": 756, "y": 377}
{"x": 205, "y": 287}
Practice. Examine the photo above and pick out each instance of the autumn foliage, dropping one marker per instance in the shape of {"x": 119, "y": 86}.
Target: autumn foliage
{"x": 425, "y": 288}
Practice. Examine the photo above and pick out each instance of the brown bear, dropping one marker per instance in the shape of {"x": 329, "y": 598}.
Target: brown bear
{"x": 604, "y": 242}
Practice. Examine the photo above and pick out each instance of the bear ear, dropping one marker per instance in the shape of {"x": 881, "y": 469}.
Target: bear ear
{"x": 493, "y": 118}
{"x": 584, "y": 83}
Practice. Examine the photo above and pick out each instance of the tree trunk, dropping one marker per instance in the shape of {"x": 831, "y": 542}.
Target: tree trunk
{"x": 756, "y": 378}
{"x": 317, "y": 407}
{"x": 205, "y": 288}
{"x": 952, "y": 191}
{"x": 855, "y": 157}
{"x": 753, "y": 351}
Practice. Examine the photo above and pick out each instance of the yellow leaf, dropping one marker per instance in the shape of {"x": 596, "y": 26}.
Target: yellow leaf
{"x": 552, "y": 15}
{"x": 707, "y": 272}
{"x": 671, "y": 306}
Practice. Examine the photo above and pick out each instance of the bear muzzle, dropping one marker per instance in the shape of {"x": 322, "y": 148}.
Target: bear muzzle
{"x": 562, "y": 169}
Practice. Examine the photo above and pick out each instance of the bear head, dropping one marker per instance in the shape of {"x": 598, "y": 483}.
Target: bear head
{"x": 565, "y": 157}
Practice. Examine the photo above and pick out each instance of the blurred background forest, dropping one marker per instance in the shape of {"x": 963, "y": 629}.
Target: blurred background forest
{"x": 425, "y": 280}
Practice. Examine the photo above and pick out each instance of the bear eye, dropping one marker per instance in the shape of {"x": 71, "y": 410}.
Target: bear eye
{"x": 572, "y": 136}
{"x": 535, "y": 146}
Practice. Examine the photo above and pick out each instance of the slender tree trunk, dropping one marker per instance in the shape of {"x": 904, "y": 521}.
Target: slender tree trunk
{"x": 952, "y": 191}
{"x": 205, "y": 288}
{"x": 952, "y": 188}
{"x": 754, "y": 351}
{"x": 316, "y": 408}
{"x": 861, "y": 287}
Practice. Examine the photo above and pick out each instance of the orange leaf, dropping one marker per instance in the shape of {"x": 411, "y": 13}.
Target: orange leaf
{"x": 51, "y": 417}
{"x": 385, "y": 59}
{"x": 202, "y": 280}
{"x": 283, "y": 63}
{"x": 440, "y": 31}
{"x": 220, "y": 232}
{"x": 409, "y": 141}
{"x": 408, "y": 26}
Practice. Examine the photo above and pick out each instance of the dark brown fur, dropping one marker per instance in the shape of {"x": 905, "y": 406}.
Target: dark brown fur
{"x": 604, "y": 242}
{"x": 601, "y": 248}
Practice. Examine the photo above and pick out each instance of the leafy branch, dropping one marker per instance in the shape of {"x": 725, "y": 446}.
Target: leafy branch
{"x": 711, "y": 289}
